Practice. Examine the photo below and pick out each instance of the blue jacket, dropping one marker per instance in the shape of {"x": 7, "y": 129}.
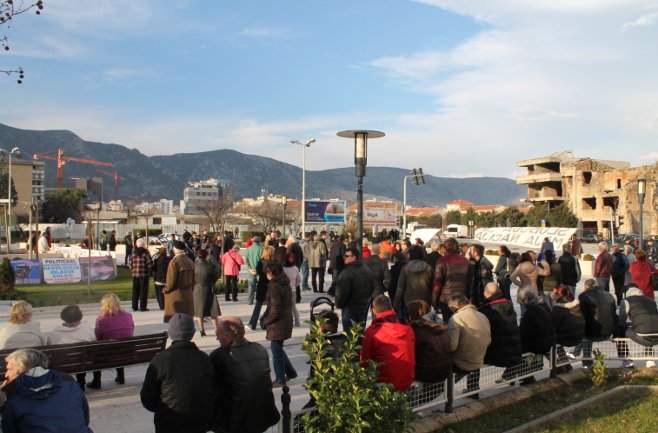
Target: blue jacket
{"x": 45, "y": 401}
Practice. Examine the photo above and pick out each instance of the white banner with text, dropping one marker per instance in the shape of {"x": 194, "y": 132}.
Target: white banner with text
{"x": 527, "y": 237}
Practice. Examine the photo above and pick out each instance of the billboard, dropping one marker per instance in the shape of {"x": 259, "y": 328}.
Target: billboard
{"x": 321, "y": 212}
{"x": 27, "y": 271}
{"x": 102, "y": 268}
{"x": 61, "y": 271}
{"x": 380, "y": 213}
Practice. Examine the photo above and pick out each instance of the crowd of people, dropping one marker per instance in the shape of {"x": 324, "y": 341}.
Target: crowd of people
{"x": 436, "y": 309}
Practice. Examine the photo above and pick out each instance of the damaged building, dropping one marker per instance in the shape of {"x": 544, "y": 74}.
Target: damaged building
{"x": 599, "y": 192}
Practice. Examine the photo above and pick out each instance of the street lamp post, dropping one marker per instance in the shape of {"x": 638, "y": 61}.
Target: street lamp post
{"x": 417, "y": 175}
{"x": 360, "y": 162}
{"x": 304, "y": 146}
{"x": 15, "y": 151}
{"x": 284, "y": 202}
{"x": 641, "y": 191}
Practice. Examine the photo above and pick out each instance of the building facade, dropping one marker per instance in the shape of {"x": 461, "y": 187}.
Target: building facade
{"x": 28, "y": 179}
{"x": 201, "y": 195}
{"x": 601, "y": 193}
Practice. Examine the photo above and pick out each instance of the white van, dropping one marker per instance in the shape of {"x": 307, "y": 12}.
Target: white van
{"x": 456, "y": 231}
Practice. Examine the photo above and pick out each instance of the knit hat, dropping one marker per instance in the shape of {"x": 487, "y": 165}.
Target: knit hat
{"x": 179, "y": 245}
{"x": 181, "y": 327}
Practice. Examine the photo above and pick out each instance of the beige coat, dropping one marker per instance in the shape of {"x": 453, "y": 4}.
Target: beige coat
{"x": 179, "y": 287}
{"x": 470, "y": 335}
{"x": 525, "y": 277}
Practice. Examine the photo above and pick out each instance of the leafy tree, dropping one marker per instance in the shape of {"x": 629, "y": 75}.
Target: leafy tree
{"x": 486, "y": 219}
{"x": 435, "y": 220}
{"x": 536, "y": 214}
{"x": 561, "y": 216}
{"x": 7, "y": 276}
{"x": 4, "y": 183}
{"x": 512, "y": 216}
{"x": 8, "y": 10}
{"x": 470, "y": 215}
{"x": 347, "y": 395}
{"x": 453, "y": 217}
{"x": 63, "y": 204}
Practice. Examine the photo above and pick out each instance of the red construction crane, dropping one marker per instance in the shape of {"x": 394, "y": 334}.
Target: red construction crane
{"x": 116, "y": 177}
{"x": 61, "y": 160}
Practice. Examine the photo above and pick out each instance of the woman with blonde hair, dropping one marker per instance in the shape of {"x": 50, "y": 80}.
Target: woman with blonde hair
{"x": 21, "y": 331}
{"x": 112, "y": 323}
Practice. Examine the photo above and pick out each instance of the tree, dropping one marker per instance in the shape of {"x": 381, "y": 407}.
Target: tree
{"x": 216, "y": 213}
{"x": 61, "y": 205}
{"x": 268, "y": 215}
{"x": 486, "y": 219}
{"x": 511, "y": 216}
{"x": 536, "y": 214}
{"x": 435, "y": 220}
{"x": 561, "y": 216}
{"x": 470, "y": 215}
{"x": 7, "y": 276}
{"x": 453, "y": 217}
{"x": 8, "y": 10}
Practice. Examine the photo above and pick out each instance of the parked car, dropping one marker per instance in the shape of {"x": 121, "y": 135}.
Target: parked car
{"x": 589, "y": 238}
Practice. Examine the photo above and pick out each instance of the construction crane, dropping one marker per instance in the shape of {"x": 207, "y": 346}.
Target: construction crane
{"x": 61, "y": 160}
{"x": 116, "y": 177}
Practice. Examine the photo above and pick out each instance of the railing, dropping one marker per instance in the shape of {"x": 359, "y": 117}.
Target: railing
{"x": 423, "y": 396}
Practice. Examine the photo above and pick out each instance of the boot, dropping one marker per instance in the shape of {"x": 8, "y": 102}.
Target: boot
{"x": 96, "y": 383}
{"x": 120, "y": 379}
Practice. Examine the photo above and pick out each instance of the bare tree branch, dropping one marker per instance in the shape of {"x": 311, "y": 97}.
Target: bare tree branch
{"x": 8, "y": 10}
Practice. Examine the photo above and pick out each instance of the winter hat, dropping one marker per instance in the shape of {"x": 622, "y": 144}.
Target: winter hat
{"x": 179, "y": 245}
{"x": 181, "y": 327}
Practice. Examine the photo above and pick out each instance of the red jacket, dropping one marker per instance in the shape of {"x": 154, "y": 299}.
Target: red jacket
{"x": 366, "y": 252}
{"x": 391, "y": 345}
{"x": 232, "y": 260}
{"x": 641, "y": 271}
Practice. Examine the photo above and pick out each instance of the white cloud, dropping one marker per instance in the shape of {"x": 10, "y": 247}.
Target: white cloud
{"x": 123, "y": 74}
{"x": 643, "y": 21}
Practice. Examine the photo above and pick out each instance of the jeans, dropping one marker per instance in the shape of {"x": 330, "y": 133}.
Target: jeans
{"x": 253, "y": 322}
{"x": 319, "y": 274}
{"x": 586, "y": 348}
{"x": 357, "y": 314}
{"x": 252, "y": 288}
{"x": 283, "y": 369}
{"x": 305, "y": 275}
{"x": 231, "y": 287}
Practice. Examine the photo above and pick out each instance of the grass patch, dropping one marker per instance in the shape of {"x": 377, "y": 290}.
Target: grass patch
{"x": 525, "y": 411}
{"x": 627, "y": 412}
{"x": 46, "y": 295}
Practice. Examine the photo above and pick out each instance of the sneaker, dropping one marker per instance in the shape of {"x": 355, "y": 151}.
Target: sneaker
{"x": 651, "y": 364}
{"x": 627, "y": 364}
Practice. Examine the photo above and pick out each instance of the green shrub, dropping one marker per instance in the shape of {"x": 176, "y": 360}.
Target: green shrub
{"x": 347, "y": 395}
{"x": 599, "y": 369}
{"x": 7, "y": 276}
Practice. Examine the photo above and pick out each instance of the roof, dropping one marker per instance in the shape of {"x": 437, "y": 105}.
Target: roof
{"x": 461, "y": 202}
{"x": 423, "y": 211}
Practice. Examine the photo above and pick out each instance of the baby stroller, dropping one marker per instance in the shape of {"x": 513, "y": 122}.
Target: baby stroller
{"x": 320, "y": 301}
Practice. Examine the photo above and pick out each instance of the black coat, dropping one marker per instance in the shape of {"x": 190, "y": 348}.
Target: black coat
{"x": 379, "y": 269}
{"x": 297, "y": 252}
{"x": 536, "y": 329}
{"x": 261, "y": 285}
{"x": 179, "y": 387}
{"x": 432, "y": 258}
{"x": 505, "y": 347}
{"x": 568, "y": 323}
{"x": 354, "y": 287}
{"x": 568, "y": 265}
{"x": 433, "y": 355}
{"x": 600, "y": 313}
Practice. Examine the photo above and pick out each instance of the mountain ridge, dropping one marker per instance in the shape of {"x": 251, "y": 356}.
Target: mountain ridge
{"x": 164, "y": 176}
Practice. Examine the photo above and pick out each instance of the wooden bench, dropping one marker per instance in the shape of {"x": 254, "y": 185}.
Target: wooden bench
{"x": 98, "y": 355}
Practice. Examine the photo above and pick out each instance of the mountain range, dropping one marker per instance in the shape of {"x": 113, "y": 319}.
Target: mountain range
{"x": 148, "y": 178}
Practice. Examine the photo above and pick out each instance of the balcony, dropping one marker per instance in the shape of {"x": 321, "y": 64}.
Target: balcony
{"x": 539, "y": 178}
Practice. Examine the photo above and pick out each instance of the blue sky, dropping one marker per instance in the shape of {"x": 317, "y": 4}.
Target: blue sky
{"x": 460, "y": 87}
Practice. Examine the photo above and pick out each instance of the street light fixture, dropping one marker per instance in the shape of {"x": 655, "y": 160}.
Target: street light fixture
{"x": 15, "y": 151}
{"x": 641, "y": 191}
{"x": 360, "y": 162}
{"x": 284, "y": 202}
{"x": 304, "y": 146}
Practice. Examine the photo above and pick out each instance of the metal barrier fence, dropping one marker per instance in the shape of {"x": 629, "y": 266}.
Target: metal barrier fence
{"x": 430, "y": 396}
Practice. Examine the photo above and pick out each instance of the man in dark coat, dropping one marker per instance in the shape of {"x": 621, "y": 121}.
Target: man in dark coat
{"x": 354, "y": 290}
{"x": 505, "y": 347}
{"x": 433, "y": 257}
{"x": 536, "y": 329}
{"x": 453, "y": 274}
{"x": 379, "y": 269}
{"x": 432, "y": 346}
{"x": 179, "y": 385}
{"x": 482, "y": 274}
{"x": 245, "y": 402}
{"x": 600, "y": 314}
{"x": 336, "y": 262}
{"x": 620, "y": 266}
{"x": 569, "y": 267}
{"x": 638, "y": 315}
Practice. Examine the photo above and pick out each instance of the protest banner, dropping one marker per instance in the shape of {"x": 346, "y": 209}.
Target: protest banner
{"x": 27, "y": 271}
{"x": 525, "y": 237}
{"x": 102, "y": 268}
{"x": 61, "y": 271}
